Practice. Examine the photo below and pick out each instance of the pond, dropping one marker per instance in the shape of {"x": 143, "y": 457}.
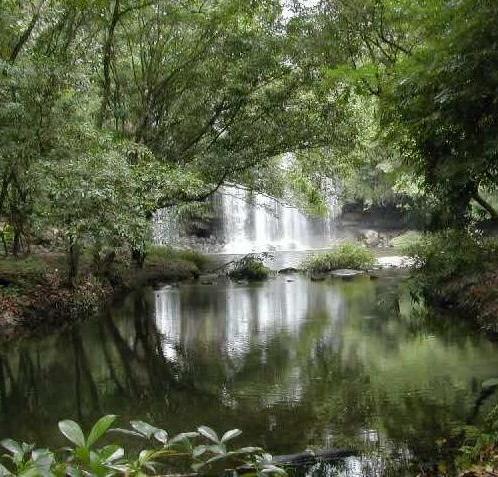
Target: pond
{"x": 293, "y": 363}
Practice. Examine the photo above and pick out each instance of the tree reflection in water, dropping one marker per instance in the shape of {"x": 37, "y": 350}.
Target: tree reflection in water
{"x": 293, "y": 364}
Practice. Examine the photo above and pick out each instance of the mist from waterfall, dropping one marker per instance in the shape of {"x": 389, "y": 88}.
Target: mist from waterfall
{"x": 248, "y": 221}
{"x": 255, "y": 222}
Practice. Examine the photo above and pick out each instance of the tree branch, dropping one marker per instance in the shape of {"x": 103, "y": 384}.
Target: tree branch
{"x": 485, "y": 205}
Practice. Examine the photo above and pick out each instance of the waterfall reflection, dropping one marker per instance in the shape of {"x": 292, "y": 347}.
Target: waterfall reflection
{"x": 236, "y": 319}
{"x": 292, "y": 363}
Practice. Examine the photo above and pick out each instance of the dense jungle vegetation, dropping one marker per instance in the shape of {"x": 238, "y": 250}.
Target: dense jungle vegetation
{"x": 111, "y": 110}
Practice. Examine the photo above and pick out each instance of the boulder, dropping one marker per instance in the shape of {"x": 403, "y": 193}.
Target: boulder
{"x": 370, "y": 237}
{"x": 208, "y": 278}
{"x": 288, "y": 270}
{"x": 346, "y": 273}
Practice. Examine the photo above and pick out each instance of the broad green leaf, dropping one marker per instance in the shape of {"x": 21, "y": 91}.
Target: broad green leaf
{"x": 490, "y": 383}
{"x": 199, "y": 450}
{"x": 127, "y": 432}
{"x": 161, "y": 436}
{"x": 111, "y": 453}
{"x": 208, "y": 433}
{"x": 183, "y": 437}
{"x": 144, "y": 428}
{"x": 216, "y": 458}
{"x": 73, "y": 432}
{"x": 145, "y": 455}
{"x": 4, "y": 472}
{"x": 12, "y": 446}
{"x": 248, "y": 450}
{"x": 273, "y": 469}
{"x": 43, "y": 458}
{"x": 217, "y": 449}
{"x": 100, "y": 428}
{"x": 232, "y": 434}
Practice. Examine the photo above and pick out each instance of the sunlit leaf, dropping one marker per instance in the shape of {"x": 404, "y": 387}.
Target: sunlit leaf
{"x": 72, "y": 431}
{"x": 12, "y": 446}
{"x": 100, "y": 428}
{"x": 232, "y": 434}
{"x": 208, "y": 433}
{"x": 144, "y": 428}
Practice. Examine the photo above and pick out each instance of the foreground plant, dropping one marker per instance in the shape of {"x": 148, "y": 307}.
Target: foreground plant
{"x": 347, "y": 255}
{"x": 203, "y": 450}
{"x": 250, "y": 267}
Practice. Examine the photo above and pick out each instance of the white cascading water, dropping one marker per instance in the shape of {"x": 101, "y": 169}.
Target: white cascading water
{"x": 254, "y": 222}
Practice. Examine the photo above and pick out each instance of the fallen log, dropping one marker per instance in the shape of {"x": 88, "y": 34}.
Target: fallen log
{"x": 301, "y": 459}
{"x": 311, "y": 457}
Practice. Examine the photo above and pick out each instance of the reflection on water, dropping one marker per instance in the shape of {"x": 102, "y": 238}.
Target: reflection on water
{"x": 293, "y": 363}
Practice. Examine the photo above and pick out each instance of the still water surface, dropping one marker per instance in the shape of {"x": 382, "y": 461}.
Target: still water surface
{"x": 294, "y": 363}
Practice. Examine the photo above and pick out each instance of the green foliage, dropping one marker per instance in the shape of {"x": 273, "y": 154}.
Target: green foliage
{"x": 250, "y": 267}
{"x": 206, "y": 453}
{"x": 439, "y": 104}
{"x": 22, "y": 272}
{"x": 479, "y": 451}
{"x": 158, "y": 253}
{"x": 110, "y": 111}
{"x": 452, "y": 253}
{"x": 347, "y": 255}
{"x": 406, "y": 240}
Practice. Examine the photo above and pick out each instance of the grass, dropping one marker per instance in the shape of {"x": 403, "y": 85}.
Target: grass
{"x": 406, "y": 240}
{"x": 36, "y": 286}
{"x": 249, "y": 268}
{"x": 160, "y": 254}
{"x": 347, "y": 255}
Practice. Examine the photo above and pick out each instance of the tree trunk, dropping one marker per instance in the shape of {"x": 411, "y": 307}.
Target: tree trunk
{"x": 138, "y": 256}
{"x": 74, "y": 263}
{"x": 106, "y": 65}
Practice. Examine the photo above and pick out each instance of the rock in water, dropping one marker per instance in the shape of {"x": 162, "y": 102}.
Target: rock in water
{"x": 288, "y": 270}
{"x": 346, "y": 273}
{"x": 370, "y": 237}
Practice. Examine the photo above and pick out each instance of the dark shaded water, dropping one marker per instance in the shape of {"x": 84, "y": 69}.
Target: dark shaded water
{"x": 293, "y": 363}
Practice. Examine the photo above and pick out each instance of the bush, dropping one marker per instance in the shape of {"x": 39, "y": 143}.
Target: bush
{"x": 458, "y": 269}
{"x": 249, "y": 267}
{"x": 452, "y": 253}
{"x": 347, "y": 255}
{"x": 405, "y": 240}
{"x": 22, "y": 272}
{"x": 159, "y": 254}
{"x": 205, "y": 452}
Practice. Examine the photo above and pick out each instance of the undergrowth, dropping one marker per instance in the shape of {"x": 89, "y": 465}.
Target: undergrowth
{"x": 347, "y": 255}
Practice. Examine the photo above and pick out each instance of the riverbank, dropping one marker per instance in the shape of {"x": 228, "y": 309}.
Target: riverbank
{"x": 35, "y": 291}
{"x": 474, "y": 296}
{"x": 458, "y": 271}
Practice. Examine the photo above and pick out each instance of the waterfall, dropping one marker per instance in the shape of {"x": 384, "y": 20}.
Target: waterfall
{"x": 255, "y": 222}
{"x": 252, "y": 222}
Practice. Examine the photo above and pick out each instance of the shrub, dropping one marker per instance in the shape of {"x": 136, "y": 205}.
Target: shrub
{"x": 22, "y": 272}
{"x": 479, "y": 453}
{"x": 203, "y": 449}
{"x": 452, "y": 253}
{"x": 160, "y": 254}
{"x": 250, "y": 267}
{"x": 406, "y": 240}
{"x": 347, "y": 255}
